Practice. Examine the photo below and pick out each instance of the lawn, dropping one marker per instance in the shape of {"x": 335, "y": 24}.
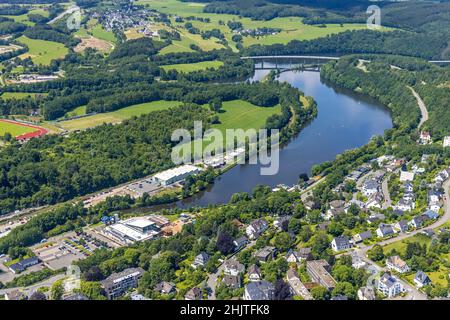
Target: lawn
{"x": 115, "y": 116}
{"x": 190, "y": 67}
{"x": 23, "y": 18}
{"x": 98, "y": 32}
{"x": 42, "y": 51}
{"x": 14, "y": 129}
{"x": 400, "y": 246}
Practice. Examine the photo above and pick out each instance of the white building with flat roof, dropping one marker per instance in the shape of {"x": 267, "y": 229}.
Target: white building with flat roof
{"x": 446, "y": 142}
{"x": 176, "y": 174}
{"x": 131, "y": 230}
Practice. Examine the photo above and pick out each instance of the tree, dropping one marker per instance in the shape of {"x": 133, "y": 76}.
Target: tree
{"x": 38, "y": 296}
{"x": 224, "y": 243}
{"x": 57, "y": 290}
{"x": 345, "y": 289}
{"x": 282, "y": 290}
{"x": 7, "y": 137}
{"x": 94, "y": 274}
{"x": 215, "y": 105}
{"x": 376, "y": 253}
{"x": 282, "y": 241}
{"x": 320, "y": 293}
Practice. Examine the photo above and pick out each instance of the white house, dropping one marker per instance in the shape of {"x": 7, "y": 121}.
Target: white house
{"x": 255, "y": 228}
{"x": 385, "y": 230}
{"x": 370, "y": 187}
{"x": 389, "y": 285}
{"x": 340, "y": 243}
{"x": 406, "y": 176}
{"x": 446, "y": 142}
{"x": 421, "y": 279}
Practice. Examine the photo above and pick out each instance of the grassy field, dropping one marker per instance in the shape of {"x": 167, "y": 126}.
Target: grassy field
{"x": 42, "y": 51}
{"x": 23, "y": 18}
{"x": 400, "y": 246}
{"x": 190, "y": 67}
{"x": 116, "y": 116}
{"x": 292, "y": 27}
{"x": 239, "y": 114}
{"x": 14, "y": 129}
{"x": 95, "y": 29}
{"x": 19, "y": 95}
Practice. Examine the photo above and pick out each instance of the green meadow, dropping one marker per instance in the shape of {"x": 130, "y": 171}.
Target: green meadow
{"x": 190, "y": 67}
{"x": 42, "y": 51}
{"x": 115, "y": 116}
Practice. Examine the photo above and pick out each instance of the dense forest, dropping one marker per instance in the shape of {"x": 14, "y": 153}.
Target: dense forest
{"x": 426, "y": 46}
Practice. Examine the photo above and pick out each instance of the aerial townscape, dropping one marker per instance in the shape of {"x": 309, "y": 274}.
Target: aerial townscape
{"x": 97, "y": 99}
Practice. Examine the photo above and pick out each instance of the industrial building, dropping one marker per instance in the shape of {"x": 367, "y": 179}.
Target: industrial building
{"x": 132, "y": 230}
{"x": 176, "y": 174}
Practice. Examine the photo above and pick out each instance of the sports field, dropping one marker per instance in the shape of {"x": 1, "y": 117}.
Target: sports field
{"x": 42, "y": 51}
{"x": 190, "y": 67}
{"x": 14, "y": 129}
{"x": 115, "y": 116}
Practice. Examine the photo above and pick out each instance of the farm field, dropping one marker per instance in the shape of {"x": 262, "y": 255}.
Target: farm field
{"x": 292, "y": 27}
{"x": 14, "y": 129}
{"x": 42, "y": 51}
{"x": 190, "y": 67}
{"x": 115, "y": 116}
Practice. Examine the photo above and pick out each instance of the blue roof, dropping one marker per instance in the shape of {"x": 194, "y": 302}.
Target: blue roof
{"x": 431, "y": 214}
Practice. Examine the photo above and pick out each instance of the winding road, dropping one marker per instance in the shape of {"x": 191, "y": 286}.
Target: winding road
{"x": 422, "y": 106}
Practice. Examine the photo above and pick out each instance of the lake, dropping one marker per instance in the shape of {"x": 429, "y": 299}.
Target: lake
{"x": 345, "y": 120}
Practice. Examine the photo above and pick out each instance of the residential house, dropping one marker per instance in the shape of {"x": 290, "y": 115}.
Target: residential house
{"x": 254, "y": 273}
{"x": 295, "y": 256}
{"x": 389, "y": 285}
{"x": 232, "y": 281}
{"x": 256, "y": 228}
{"x": 375, "y": 201}
{"x": 408, "y": 187}
{"x": 280, "y": 221}
{"x": 340, "y": 243}
{"x": 401, "y": 226}
{"x": 406, "y": 176}
{"x": 165, "y": 287}
{"x": 318, "y": 270}
{"x": 233, "y": 267}
{"x": 370, "y": 187}
{"x": 417, "y": 222}
{"x": 259, "y": 290}
{"x": 397, "y": 264}
{"x": 373, "y": 218}
{"x": 194, "y": 294}
{"x": 425, "y": 137}
{"x": 240, "y": 243}
{"x": 200, "y": 260}
{"x": 421, "y": 279}
{"x": 15, "y": 295}
{"x": 360, "y": 237}
{"x": 297, "y": 287}
{"x": 432, "y": 215}
{"x": 384, "y": 230}
{"x": 446, "y": 142}
{"x": 357, "y": 262}
{"x": 405, "y": 205}
{"x": 265, "y": 254}
{"x": 366, "y": 293}
{"x": 118, "y": 283}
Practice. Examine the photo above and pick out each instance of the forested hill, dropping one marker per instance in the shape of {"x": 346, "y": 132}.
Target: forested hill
{"x": 387, "y": 79}
{"x": 427, "y": 46}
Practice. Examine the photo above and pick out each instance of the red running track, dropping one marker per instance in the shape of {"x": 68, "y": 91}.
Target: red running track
{"x": 26, "y": 136}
